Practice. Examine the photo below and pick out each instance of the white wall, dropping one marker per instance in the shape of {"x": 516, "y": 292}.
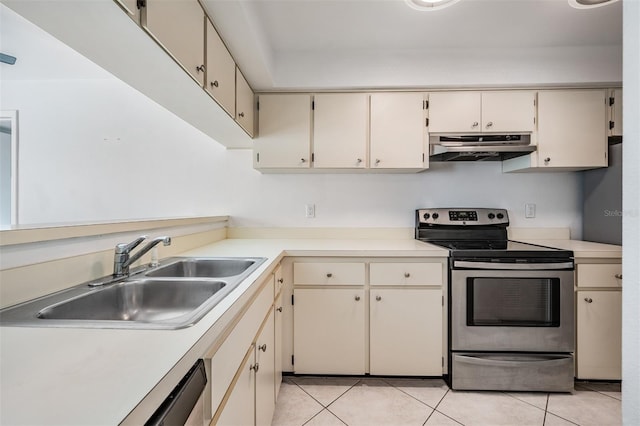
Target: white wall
{"x": 94, "y": 150}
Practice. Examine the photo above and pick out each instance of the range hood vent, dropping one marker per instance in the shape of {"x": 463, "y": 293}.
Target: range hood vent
{"x": 479, "y": 147}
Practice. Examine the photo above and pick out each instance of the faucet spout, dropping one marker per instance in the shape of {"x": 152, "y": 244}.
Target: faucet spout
{"x": 123, "y": 259}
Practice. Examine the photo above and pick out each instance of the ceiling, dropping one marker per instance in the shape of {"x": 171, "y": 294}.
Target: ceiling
{"x": 293, "y": 44}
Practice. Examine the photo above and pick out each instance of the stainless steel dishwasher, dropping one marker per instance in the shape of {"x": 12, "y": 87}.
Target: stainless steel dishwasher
{"x": 179, "y": 405}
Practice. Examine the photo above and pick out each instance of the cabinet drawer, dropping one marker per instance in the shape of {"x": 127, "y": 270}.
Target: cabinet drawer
{"x": 405, "y": 274}
{"x": 328, "y": 273}
{"x": 229, "y": 356}
{"x": 599, "y": 275}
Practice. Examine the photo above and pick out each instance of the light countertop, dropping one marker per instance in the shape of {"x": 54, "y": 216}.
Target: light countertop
{"x": 75, "y": 376}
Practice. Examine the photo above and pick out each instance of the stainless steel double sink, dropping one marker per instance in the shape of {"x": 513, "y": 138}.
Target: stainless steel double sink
{"x": 175, "y": 294}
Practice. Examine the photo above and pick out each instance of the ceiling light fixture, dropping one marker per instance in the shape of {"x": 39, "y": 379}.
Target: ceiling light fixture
{"x": 589, "y": 4}
{"x": 430, "y": 5}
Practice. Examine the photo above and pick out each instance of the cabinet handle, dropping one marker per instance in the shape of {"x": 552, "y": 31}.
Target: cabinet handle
{"x": 618, "y": 276}
{"x": 214, "y": 83}
{"x": 201, "y": 68}
{"x": 279, "y": 309}
{"x": 241, "y": 115}
{"x": 489, "y": 124}
{"x": 281, "y": 280}
{"x": 475, "y": 124}
{"x": 357, "y": 298}
{"x": 378, "y": 298}
{"x": 547, "y": 160}
{"x": 588, "y": 299}
{"x": 255, "y": 367}
{"x": 329, "y": 275}
{"x": 263, "y": 347}
{"x": 407, "y": 275}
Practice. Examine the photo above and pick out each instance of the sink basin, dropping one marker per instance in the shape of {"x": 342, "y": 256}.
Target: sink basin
{"x": 174, "y": 295}
{"x": 203, "y": 268}
{"x": 143, "y": 300}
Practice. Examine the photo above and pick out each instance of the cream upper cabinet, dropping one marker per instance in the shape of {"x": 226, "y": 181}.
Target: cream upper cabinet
{"x": 221, "y": 71}
{"x": 284, "y": 131}
{"x": 340, "y": 127}
{"x": 473, "y": 112}
{"x": 245, "y": 104}
{"x": 329, "y": 331}
{"x": 615, "y": 112}
{"x": 454, "y": 112}
{"x": 179, "y": 27}
{"x": 572, "y": 131}
{"x": 405, "y": 332}
{"x": 398, "y": 133}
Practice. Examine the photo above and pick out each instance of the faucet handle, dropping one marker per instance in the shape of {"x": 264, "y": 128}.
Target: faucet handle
{"x": 126, "y": 248}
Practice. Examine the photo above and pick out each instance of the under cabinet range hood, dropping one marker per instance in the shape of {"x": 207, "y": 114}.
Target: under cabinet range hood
{"x": 479, "y": 147}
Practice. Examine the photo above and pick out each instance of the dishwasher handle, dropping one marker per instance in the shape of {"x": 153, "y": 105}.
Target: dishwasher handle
{"x": 177, "y": 407}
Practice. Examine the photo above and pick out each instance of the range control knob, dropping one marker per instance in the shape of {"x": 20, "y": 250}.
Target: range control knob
{"x": 500, "y": 216}
{"x": 426, "y": 216}
{"x": 491, "y": 215}
{"x": 435, "y": 215}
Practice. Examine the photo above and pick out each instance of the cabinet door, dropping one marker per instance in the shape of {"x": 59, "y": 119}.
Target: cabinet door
{"x": 221, "y": 72}
{"x": 284, "y": 132}
{"x": 340, "y": 123}
{"x": 329, "y": 331}
{"x": 406, "y": 332}
{"x": 278, "y": 308}
{"x": 131, "y": 8}
{"x": 398, "y": 131}
{"x": 244, "y": 103}
{"x": 455, "y": 112}
{"x": 239, "y": 408}
{"x": 508, "y": 111}
{"x": 615, "y": 125}
{"x": 265, "y": 373}
{"x": 179, "y": 27}
{"x": 572, "y": 129}
{"x": 599, "y": 340}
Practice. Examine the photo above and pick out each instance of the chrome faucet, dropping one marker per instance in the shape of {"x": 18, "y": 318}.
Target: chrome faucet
{"x": 122, "y": 259}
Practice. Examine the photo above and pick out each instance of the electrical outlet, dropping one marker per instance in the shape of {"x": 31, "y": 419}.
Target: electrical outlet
{"x": 530, "y": 210}
{"x": 310, "y": 210}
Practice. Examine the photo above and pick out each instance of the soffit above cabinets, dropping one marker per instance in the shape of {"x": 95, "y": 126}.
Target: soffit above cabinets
{"x": 347, "y": 44}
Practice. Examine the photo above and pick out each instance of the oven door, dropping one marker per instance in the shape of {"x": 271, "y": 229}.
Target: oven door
{"x": 530, "y": 309}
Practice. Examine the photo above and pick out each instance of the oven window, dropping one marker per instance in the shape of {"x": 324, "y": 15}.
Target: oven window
{"x": 518, "y": 302}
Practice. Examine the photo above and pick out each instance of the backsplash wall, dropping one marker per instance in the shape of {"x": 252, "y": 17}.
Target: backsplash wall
{"x": 110, "y": 153}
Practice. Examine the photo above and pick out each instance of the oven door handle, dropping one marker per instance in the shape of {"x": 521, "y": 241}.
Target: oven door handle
{"x": 512, "y": 266}
{"x": 549, "y": 360}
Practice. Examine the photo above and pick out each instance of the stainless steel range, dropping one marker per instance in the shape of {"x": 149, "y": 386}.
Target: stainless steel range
{"x": 511, "y": 304}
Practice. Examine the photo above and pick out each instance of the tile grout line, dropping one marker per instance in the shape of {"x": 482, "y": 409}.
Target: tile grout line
{"x": 440, "y": 412}
{"x": 546, "y": 406}
{"x": 528, "y": 403}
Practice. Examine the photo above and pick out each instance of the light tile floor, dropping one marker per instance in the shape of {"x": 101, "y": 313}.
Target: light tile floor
{"x": 372, "y": 401}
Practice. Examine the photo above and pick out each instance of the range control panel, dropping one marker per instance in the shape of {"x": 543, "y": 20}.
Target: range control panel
{"x": 462, "y": 216}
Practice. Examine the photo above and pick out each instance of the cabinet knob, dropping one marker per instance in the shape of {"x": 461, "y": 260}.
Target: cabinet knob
{"x": 263, "y": 347}
{"x": 588, "y": 299}
{"x": 377, "y": 161}
{"x": 329, "y": 275}
{"x": 255, "y": 367}
{"x": 407, "y": 275}
{"x": 618, "y": 276}
{"x": 302, "y": 160}
{"x": 378, "y": 298}
{"x": 201, "y": 68}
{"x": 279, "y": 309}
{"x": 489, "y": 124}
{"x": 547, "y": 160}
{"x": 281, "y": 280}
{"x": 241, "y": 114}
{"x": 214, "y": 83}
{"x": 359, "y": 160}
{"x": 357, "y": 298}
{"x": 475, "y": 124}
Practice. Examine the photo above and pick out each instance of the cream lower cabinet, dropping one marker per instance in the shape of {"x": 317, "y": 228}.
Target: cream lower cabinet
{"x": 329, "y": 331}
{"x": 265, "y": 372}
{"x": 405, "y": 332}
{"x": 239, "y": 407}
{"x": 278, "y": 323}
{"x": 599, "y": 321}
